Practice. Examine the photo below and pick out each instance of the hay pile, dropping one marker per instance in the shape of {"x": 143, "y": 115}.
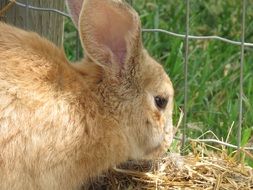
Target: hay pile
{"x": 202, "y": 169}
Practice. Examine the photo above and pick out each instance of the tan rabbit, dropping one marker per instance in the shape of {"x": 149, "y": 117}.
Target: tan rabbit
{"x": 62, "y": 123}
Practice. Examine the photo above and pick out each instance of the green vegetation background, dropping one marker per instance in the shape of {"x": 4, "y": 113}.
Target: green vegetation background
{"x": 214, "y": 66}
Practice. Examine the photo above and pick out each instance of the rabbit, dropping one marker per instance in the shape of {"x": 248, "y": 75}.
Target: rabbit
{"x": 62, "y": 123}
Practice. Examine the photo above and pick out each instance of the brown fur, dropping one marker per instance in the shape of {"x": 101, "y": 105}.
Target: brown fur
{"x": 62, "y": 123}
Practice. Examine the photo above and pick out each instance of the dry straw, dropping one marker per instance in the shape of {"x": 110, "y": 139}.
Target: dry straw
{"x": 205, "y": 168}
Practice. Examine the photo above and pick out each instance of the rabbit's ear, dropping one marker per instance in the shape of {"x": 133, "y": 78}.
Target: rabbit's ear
{"x": 111, "y": 33}
{"x": 74, "y": 7}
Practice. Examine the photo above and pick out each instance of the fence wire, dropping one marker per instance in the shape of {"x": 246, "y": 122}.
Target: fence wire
{"x": 186, "y": 38}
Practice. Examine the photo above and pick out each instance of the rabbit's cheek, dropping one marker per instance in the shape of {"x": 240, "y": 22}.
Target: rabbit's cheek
{"x": 157, "y": 139}
{"x": 168, "y": 139}
{"x": 158, "y": 127}
{"x": 161, "y": 138}
{"x": 160, "y": 121}
{"x": 168, "y": 128}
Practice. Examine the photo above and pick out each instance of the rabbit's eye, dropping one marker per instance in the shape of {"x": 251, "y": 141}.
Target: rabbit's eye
{"x": 161, "y": 102}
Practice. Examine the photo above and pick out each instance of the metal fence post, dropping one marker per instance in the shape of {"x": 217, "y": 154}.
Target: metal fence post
{"x": 186, "y": 75}
{"x": 26, "y": 15}
{"x": 239, "y": 132}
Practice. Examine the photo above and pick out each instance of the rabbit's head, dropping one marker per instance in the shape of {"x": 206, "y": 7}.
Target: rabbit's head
{"x": 134, "y": 89}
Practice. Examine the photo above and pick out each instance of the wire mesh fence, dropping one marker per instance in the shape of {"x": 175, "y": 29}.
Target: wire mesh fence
{"x": 187, "y": 37}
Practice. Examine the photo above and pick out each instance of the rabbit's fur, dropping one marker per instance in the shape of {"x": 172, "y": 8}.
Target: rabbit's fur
{"x": 62, "y": 123}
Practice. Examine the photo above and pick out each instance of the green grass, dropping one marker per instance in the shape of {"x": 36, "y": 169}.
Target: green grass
{"x": 213, "y": 65}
